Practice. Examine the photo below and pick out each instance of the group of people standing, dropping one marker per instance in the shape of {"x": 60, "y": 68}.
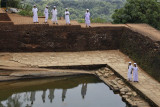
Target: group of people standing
{"x": 132, "y": 70}
{"x": 54, "y": 16}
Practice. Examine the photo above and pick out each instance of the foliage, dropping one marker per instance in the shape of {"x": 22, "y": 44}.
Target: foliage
{"x": 139, "y": 11}
{"x": 101, "y": 10}
{"x": 98, "y": 20}
{"x": 26, "y": 11}
{"x": 13, "y": 3}
{"x": 93, "y": 20}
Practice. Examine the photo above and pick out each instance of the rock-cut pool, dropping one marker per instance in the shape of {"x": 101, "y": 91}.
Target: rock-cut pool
{"x": 78, "y": 91}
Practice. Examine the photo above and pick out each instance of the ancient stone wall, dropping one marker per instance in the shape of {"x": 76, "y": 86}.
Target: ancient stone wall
{"x": 4, "y": 17}
{"x": 142, "y": 50}
{"x": 5, "y": 22}
{"x": 33, "y": 38}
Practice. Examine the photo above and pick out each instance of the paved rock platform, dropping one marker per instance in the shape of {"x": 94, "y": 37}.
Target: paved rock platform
{"x": 113, "y": 58}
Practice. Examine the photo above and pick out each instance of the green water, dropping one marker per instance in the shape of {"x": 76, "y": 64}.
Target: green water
{"x": 80, "y": 91}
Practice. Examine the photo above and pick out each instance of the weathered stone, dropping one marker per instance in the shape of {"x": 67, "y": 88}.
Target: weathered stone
{"x": 112, "y": 73}
{"x": 114, "y": 82}
{"x": 124, "y": 90}
{"x": 109, "y": 83}
{"x": 122, "y": 93}
{"x": 100, "y": 75}
{"x": 129, "y": 93}
{"x": 116, "y": 89}
{"x": 133, "y": 104}
{"x": 125, "y": 96}
{"x": 115, "y": 86}
{"x": 142, "y": 104}
{"x": 120, "y": 82}
{"x": 120, "y": 86}
{"x": 97, "y": 72}
{"x": 129, "y": 100}
{"x": 103, "y": 72}
{"x": 129, "y": 89}
{"x": 134, "y": 94}
{"x": 106, "y": 69}
{"x": 117, "y": 79}
{"x": 106, "y": 75}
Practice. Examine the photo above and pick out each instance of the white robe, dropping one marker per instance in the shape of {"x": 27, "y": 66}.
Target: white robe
{"x": 35, "y": 14}
{"x": 67, "y": 17}
{"x": 135, "y": 74}
{"x": 130, "y": 72}
{"x": 46, "y": 14}
{"x": 54, "y": 15}
{"x": 87, "y": 18}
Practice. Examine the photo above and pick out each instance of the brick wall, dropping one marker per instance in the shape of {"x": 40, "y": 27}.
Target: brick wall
{"x": 26, "y": 38}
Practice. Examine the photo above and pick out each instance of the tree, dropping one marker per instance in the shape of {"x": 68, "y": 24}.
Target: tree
{"x": 139, "y": 11}
{"x": 13, "y": 3}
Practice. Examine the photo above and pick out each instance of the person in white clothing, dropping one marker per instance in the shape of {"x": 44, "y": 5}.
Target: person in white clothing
{"x": 35, "y": 14}
{"x": 87, "y": 18}
{"x": 54, "y": 15}
{"x": 46, "y": 14}
{"x": 135, "y": 73}
{"x": 130, "y": 68}
{"x": 67, "y": 17}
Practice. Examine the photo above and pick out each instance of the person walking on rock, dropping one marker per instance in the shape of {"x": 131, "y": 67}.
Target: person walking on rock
{"x": 67, "y": 17}
{"x": 54, "y": 15}
{"x": 46, "y": 14}
{"x": 130, "y": 68}
{"x": 87, "y": 18}
{"x": 35, "y": 14}
{"x": 135, "y": 73}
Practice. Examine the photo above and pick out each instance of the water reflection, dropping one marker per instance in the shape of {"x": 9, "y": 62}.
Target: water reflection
{"x": 51, "y": 95}
{"x": 69, "y": 92}
{"x": 64, "y": 91}
{"x": 13, "y": 101}
{"x": 84, "y": 90}
{"x": 32, "y": 96}
{"x": 44, "y": 96}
